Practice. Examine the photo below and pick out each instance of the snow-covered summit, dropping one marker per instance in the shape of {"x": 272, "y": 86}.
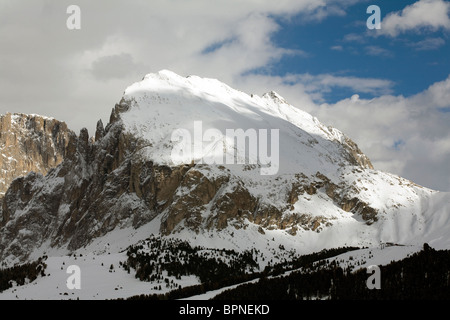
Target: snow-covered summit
{"x": 164, "y": 102}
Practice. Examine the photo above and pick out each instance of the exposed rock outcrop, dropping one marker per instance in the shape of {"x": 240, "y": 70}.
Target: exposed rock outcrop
{"x": 30, "y": 143}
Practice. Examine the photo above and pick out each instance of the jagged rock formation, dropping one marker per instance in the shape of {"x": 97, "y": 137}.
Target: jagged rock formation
{"x": 30, "y": 143}
{"x": 122, "y": 178}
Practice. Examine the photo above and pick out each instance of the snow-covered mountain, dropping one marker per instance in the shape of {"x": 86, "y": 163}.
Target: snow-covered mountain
{"x": 164, "y": 164}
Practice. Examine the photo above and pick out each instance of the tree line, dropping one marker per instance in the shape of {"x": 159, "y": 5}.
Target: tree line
{"x": 230, "y": 275}
{"x": 22, "y": 274}
{"x": 424, "y": 275}
{"x": 178, "y": 258}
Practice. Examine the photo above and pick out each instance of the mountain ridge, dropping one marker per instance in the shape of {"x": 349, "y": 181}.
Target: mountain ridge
{"x": 325, "y": 194}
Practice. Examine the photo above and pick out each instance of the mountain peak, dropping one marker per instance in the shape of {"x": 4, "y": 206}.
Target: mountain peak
{"x": 166, "y": 80}
{"x": 275, "y": 97}
{"x": 164, "y": 102}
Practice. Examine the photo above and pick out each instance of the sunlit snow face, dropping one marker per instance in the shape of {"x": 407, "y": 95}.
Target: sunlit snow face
{"x": 236, "y": 146}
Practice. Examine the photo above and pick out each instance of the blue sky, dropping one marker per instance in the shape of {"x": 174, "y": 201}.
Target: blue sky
{"x": 387, "y": 89}
{"x": 343, "y": 46}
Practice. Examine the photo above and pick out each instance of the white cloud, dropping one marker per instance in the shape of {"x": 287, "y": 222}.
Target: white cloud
{"x": 325, "y": 82}
{"x": 436, "y": 96}
{"x": 423, "y": 14}
{"x": 379, "y": 124}
{"x": 304, "y": 90}
{"x": 428, "y": 44}
{"x": 337, "y": 48}
{"x": 355, "y": 37}
{"x": 378, "y": 51}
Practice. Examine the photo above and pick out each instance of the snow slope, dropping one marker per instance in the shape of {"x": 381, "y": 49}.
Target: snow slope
{"x": 165, "y": 102}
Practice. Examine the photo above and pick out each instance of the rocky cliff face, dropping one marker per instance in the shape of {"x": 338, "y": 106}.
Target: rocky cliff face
{"x": 105, "y": 184}
{"x": 30, "y": 143}
{"x": 117, "y": 180}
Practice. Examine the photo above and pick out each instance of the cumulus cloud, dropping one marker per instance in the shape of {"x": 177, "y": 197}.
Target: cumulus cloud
{"x": 413, "y": 130}
{"x": 423, "y": 14}
{"x": 114, "y": 66}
